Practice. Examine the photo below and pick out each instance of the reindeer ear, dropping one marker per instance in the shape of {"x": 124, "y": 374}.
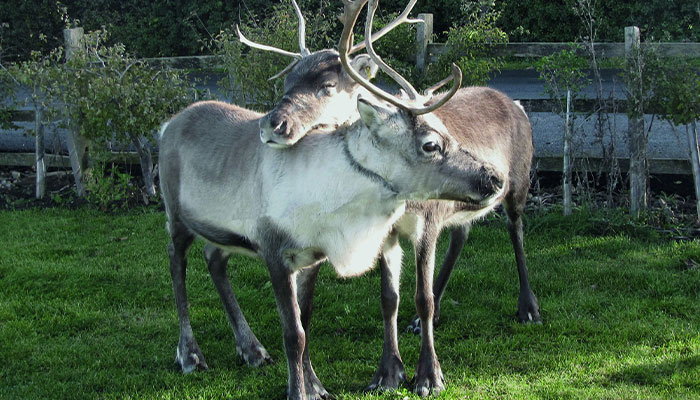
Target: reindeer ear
{"x": 370, "y": 114}
{"x": 364, "y": 66}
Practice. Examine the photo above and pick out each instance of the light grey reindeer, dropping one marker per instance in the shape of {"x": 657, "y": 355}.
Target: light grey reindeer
{"x": 495, "y": 128}
{"x": 315, "y": 84}
{"x": 333, "y": 196}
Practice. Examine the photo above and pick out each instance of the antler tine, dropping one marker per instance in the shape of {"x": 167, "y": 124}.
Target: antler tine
{"x": 351, "y": 10}
{"x": 284, "y": 71}
{"x": 302, "y": 30}
{"x": 349, "y": 18}
{"x": 403, "y": 17}
{"x": 265, "y": 47}
{"x": 410, "y": 90}
{"x": 456, "y": 79}
{"x": 429, "y": 91}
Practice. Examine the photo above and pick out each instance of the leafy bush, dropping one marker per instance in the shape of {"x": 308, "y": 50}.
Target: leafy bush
{"x": 7, "y": 83}
{"x": 109, "y": 189}
{"x": 469, "y": 42}
{"x": 112, "y": 96}
{"x": 563, "y": 71}
{"x": 41, "y": 75}
{"x": 677, "y": 94}
{"x": 555, "y": 21}
{"x": 113, "y": 99}
{"x": 248, "y": 70}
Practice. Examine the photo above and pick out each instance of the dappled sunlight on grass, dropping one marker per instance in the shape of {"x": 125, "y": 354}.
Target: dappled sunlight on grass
{"x": 86, "y": 311}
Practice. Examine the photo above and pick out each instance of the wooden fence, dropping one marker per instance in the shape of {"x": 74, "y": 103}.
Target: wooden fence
{"x": 426, "y": 52}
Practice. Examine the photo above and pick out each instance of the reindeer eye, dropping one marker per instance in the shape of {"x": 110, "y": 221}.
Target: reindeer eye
{"x": 329, "y": 85}
{"x": 431, "y": 147}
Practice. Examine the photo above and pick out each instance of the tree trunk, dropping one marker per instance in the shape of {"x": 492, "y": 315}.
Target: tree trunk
{"x": 568, "y": 159}
{"x": 39, "y": 151}
{"x": 146, "y": 163}
{"x": 695, "y": 163}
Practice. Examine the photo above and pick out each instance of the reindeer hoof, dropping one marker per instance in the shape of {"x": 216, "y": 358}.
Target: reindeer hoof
{"x": 190, "y": 361}
{"x": 388, "y": 377}
{"x": 429, "y": 378}
{"x": 528, "y": 309}
{"x": 414, "y": 326}
{"x": 254, "y": 355}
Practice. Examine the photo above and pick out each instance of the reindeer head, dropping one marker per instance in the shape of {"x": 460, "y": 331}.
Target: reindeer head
{"x": 317, "y": 95}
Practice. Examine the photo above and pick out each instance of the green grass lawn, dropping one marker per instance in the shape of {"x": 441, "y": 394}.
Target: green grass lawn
{"x": 87, "y": 311}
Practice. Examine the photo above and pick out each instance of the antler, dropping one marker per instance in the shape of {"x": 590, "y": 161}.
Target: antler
{"x": 297, "y": 56}
{"x": 302, "y": 30}
{"x": 265, "y": 47}
{"x": 403, "y": 17}
{"x": 416, "y": 104}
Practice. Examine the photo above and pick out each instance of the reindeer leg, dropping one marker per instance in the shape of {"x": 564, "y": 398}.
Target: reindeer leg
{"x": 247, "y": 345}
{"x": 458, "y": 236}
{"x": 528, "y": 306}
{"x": 283, "y": 279}
{"x": 390, "y": 373}
{"x": 429, "y": 376}
{"x": 188, "y": 355}
{"x": 306, "y": 284}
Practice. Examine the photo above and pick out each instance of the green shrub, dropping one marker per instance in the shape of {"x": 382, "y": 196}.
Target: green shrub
{"x": 248, "y": 70}
{"x": 470, "y": 42}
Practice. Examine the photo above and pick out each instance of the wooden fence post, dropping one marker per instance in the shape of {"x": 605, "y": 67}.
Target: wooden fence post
{"x": 568, "y": 162}
{"x": 39, "y": 153}
{"x": 636, "y": 134}
{"x": 424, "y": 36}
{"x": 694, "y": 145}
{"x": 77, "y": 144}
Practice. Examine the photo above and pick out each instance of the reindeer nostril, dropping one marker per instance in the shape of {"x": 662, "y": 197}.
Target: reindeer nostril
{"x": 497, "y": 182}
{"x": 490, "y": 183}
{"x": 281, "y": 129}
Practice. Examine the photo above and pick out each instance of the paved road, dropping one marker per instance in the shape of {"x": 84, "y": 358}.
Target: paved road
{"x": 665, "y": 141}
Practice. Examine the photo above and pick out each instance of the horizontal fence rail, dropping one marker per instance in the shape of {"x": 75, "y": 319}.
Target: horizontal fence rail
{"x": 427, "y": 52}
{"x": 602, "y": 50}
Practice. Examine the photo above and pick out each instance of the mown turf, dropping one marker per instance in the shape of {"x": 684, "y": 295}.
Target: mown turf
{"x": 86, "y": 311}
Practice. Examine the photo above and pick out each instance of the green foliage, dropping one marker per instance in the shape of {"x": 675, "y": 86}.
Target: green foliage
{"x": 112, "y": 96}
{"x": 556, "y": 21}
{"x": 167, "y": 28}
{"x": 396, "y": 48}
{"x": 7, "y": 85}
{"x": 35, "y": 25}
{"x": 248, "y": 70}
{"x": 563, "y": 71}
{"x": 113, "y": 99}
{"x": 470, "y": 42}
{"x": 41, "y": 75}
{"x": 108, "y": 188}
{"x": 677, "y": 92}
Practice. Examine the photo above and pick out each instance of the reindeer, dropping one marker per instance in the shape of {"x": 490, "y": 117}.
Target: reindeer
{"x": 489, "y": 124}
{"x": 333, "y": 196}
